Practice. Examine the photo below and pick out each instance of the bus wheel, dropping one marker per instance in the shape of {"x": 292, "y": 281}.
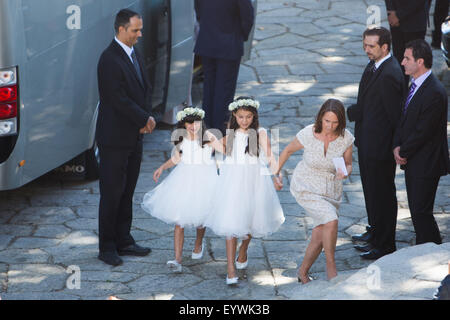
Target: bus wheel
{"x": 92, "y": 158}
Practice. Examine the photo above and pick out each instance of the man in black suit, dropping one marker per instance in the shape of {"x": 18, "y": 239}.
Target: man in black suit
{"x": 408, "y": 21}
{"x": 224, "y": 26}
{"x": 124, "y": 116}
{"x": 420, "y": 144}
{"x": 376, "y": 114}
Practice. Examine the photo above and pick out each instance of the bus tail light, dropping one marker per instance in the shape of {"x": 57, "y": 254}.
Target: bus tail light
{"x": 8, "y": 102}
{"x": 8, "y": 110}
{"x": 8, "y": 94}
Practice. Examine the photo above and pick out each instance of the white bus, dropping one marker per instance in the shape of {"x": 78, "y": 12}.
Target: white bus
{"x": 49, "y": 50}
{"x": 48, "y": 76}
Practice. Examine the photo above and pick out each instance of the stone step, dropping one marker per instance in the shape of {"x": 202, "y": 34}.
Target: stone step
{"x": 407, "y": 274}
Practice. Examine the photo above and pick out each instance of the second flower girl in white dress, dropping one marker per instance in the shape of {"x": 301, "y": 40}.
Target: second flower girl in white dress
{"x": 247, "y": 204}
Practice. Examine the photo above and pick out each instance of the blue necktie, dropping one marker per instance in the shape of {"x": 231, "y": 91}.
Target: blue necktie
{"x": 136, "y": 66}
{"x": 410, "y": 95}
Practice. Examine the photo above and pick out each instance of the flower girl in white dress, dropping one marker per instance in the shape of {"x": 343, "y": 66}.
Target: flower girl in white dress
{"x": 184, "y": 197}
{"x": 247, "y": 202}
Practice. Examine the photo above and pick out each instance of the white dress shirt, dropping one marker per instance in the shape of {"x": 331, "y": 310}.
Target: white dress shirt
{"x": 378, "y": 64}
{"x": 126, "y": 48}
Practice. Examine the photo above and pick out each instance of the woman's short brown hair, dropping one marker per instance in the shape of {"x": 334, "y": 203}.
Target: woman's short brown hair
{"x": 335, "y": 106}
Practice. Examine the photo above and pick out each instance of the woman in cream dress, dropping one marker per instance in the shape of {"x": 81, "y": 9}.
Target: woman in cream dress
{"x": 316, "y": 185}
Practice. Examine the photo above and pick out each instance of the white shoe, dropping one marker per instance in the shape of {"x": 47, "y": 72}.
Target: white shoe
{"x": 199, "y": 255}
{"x": 174, "y": 266}
{"x": 232, "y": 280}
{"x": 241, "y": 265}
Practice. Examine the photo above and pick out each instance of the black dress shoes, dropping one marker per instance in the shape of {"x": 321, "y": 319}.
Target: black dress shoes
{"x": 134, "y": 250}
{"x": 366, "y": 236}
{"x": 375, "y": 254}
{"x": 111, "y": 258}
{"x": 364, "y": 248}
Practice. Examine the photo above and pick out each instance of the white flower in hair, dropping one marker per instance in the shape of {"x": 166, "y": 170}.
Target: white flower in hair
{"x": 243, "y": 102}
{"x": 181, "y": 115}
{"x": 190, "y": 112}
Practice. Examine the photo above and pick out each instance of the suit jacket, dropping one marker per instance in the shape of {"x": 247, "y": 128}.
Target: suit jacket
{"x": 378, "y": 109}
{"x": 422, "y": 131}
{"x": 224, "y": 26}
{"x": 413, "y": 14}
{"x": 125, "y": 103}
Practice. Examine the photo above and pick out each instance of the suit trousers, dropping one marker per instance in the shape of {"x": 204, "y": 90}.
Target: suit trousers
{"x": 119, "y": 172}
{"x": 440, "y": 13}
{"x": 378, "y": 181}
{"x": 219, "y": 87}
{"x": 421, "y": 195}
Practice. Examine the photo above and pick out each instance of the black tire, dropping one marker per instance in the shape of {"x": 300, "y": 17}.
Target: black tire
{"x": 92, "y": 161}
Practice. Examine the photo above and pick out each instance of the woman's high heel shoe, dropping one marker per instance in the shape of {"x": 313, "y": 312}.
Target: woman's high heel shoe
{"x": 309, "y": 277}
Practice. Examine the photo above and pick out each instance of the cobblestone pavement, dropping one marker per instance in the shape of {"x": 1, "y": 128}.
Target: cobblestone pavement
{"x": 304, "y": 52}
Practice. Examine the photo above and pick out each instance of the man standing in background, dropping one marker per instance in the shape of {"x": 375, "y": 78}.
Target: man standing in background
{"x": 224, "y": 27}
{"x": 440, "y": 13}
{"x": 408, "y": 21}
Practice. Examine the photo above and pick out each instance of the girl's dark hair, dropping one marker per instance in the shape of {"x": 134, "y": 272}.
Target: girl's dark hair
{"x": 181, "y": 126}
{"x": 335, "y": 106}
{"x": 253, "y": 135}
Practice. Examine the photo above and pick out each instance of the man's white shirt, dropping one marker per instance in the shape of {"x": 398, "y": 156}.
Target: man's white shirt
{"x": 126, "y": 48}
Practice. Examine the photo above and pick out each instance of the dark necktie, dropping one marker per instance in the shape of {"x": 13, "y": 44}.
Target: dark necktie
{"x": 136, "y": 66}
{"x": 374, "y": 68}
{"x": 371, "y": 66}
{"x": 368, "y": 73}
{"x": 410, "y": 95}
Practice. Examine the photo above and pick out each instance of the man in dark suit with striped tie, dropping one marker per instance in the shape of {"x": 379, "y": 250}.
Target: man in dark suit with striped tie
{"x": 420, "y": 144}
{"x": 224, "y": 27}
{"x": 376, "y": 115}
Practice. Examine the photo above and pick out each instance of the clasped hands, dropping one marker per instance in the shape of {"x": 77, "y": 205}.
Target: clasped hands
{"x": 278, "y": 181}
{"x": 399, "y": 160}
{"x": 149, "y": 127}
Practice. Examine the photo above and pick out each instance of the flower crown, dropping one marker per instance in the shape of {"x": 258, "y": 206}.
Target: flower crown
{"x": 190, "y": 112}
{"x": 243, "y": 103}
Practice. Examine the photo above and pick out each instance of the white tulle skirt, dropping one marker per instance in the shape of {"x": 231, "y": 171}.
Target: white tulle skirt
{"x": 245, "y": 203}
{"x": 184, "y": 197}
